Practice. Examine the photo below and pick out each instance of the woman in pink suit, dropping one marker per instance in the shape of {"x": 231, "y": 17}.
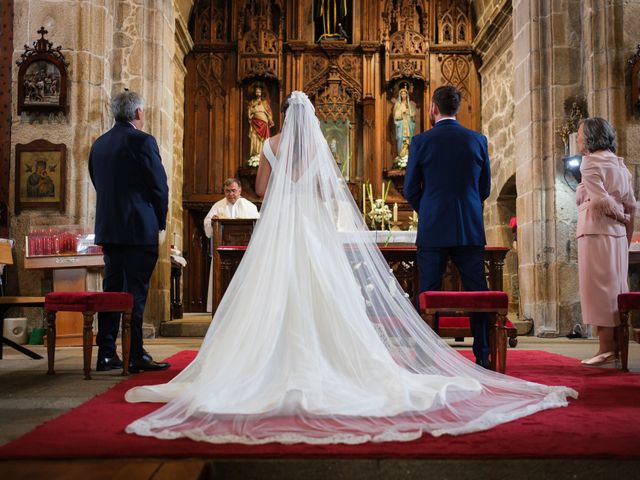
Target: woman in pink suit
{"x": 606, "y": 206}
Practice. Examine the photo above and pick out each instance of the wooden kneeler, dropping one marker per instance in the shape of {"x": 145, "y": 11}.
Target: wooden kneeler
{"x": 89, "y": 303}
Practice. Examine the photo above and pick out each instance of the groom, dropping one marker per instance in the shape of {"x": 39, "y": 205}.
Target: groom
{"x": 447, "y": 180}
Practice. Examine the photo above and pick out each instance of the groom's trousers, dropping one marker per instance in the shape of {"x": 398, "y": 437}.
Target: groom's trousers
{"x": 127, "y": 268}
{"x": 469, "y": 260}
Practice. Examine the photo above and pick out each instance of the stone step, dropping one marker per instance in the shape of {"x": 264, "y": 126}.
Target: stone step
{"x": 191, "y": 325}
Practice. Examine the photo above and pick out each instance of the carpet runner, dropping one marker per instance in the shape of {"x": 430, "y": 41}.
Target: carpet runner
{"x": 603, "y": 422}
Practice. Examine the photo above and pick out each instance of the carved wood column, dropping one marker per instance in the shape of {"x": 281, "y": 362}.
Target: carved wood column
{"x": 370, "y": 148}
{"x": 6, "y": 47}
{"x": 295, "y": 74}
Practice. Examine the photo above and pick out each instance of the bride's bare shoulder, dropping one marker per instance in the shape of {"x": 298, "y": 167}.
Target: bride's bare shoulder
{"x": 274, "y": 142}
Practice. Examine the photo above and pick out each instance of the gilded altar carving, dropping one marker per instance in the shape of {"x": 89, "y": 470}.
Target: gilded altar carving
{"x": 453, "y": 22}
{"x": 211, "y": 22}
{"x": 335, "y": 103}
{"x": 315, "y": 66}
{"x": 405, "y": 30}
{"x": 210, "y": 71}
{"x": 260, "y": 39}
{"x": 455, "y": 71}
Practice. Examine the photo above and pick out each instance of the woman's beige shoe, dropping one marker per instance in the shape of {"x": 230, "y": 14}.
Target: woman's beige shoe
{"x": 602, "y": 359}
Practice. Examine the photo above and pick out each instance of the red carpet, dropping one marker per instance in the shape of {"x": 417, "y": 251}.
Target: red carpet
{"x": 603, "y": 422}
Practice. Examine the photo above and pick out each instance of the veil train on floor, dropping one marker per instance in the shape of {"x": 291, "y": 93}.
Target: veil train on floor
{"x": 315, "y": 341}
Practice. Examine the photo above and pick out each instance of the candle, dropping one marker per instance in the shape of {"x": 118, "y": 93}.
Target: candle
{"x": 395, "y": 212}
{"x": 364, "y": 198}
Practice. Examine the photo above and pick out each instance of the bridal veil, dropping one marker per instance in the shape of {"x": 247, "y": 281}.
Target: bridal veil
{"x": 315, "y": 341}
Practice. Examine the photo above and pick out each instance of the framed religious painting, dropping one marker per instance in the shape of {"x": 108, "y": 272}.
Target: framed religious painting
{"x": 42, "y": 78}
{"x": 40, "y": 176}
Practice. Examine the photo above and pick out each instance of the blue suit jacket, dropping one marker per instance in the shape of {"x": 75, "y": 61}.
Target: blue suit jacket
{"x": 448, "y": 177}
{"x": 131, "y": 187}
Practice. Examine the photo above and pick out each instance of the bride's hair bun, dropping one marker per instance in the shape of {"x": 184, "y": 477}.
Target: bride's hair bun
{"x": 295, "y": 98}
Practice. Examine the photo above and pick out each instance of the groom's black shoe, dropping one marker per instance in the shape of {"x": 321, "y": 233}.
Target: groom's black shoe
{"x": 146, "y": 363}
{"x": 484, "y": 362}
{"x": 108, "y": 363}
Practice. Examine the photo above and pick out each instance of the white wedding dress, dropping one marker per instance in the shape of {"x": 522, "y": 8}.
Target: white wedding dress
{"x": 315, "y": 341}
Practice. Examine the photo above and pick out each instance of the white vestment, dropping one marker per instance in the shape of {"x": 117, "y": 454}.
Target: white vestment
{"x": 242, "y": 208}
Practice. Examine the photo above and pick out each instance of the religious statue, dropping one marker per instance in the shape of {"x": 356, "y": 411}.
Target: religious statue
{"x": 260, "y": 121}
{"x": 332, "y": 13}
{"x": 404, "y": 118}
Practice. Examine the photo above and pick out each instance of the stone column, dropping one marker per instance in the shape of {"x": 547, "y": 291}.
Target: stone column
{"x": 143, "y": 61}
{"x": 546, "y": 72}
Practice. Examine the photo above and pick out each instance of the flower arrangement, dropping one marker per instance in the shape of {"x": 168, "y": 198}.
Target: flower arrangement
{"x": 253, "y": 161}
{"x": 401, "y": 162}
{"x": 379, "y": 213}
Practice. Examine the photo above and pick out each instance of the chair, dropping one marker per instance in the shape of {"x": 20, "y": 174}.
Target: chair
{"x": 88, "y": 303}
{"x": 627, "y": 302}
{"x": 7, "y": 302}
{"x": 494, "y": 303}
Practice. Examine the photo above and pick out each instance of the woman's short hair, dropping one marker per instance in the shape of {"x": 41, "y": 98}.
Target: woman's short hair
{"x": 598, "y": 134}
{"x": 124, "y": 106}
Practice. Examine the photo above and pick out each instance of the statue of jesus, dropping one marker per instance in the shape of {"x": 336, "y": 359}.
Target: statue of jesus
{"x": 260, "y": 121}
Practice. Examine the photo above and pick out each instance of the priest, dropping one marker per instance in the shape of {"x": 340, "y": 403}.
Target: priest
{"x": 231, "y": 206}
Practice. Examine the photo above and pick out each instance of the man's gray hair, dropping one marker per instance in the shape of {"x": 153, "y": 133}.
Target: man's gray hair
{"x": 598, "y": 135}
{"x": 124, "y": 106}
{"x": 231, "y": 180}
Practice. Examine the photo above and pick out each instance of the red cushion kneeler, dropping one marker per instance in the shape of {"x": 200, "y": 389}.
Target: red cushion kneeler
{"x": 464, "y": 300}
{"x": 87, "y": 301}
{"x": 629, "y": 301}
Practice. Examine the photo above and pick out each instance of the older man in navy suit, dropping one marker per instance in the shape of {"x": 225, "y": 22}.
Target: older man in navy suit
{"x": 448, "y": 178}
{"x": 131, "y": 209}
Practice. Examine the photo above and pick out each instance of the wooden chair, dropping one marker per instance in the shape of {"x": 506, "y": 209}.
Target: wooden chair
{"x": 494, "y": 303}
{"x": 7, "y": 302}
{"x": 89, "y": 303}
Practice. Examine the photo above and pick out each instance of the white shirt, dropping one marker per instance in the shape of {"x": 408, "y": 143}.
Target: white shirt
{"x": 224, "y": 209}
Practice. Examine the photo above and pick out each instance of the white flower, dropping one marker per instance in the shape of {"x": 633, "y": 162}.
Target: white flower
{"x": 401, "y": 162}
{"x": 254, "y": 161}
{"x": 380, "y": 212}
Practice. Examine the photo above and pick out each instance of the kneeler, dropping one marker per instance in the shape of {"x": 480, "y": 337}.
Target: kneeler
{"x": 494, "y": 303}
{"x": 89, "y": 303}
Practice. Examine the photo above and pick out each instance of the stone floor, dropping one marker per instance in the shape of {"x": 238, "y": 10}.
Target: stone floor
{"x": 28, "y": 397}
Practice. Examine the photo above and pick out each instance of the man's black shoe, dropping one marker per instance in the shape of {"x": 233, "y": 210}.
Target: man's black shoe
{"x": 146, "y": 363}
{"x": 108, "y": 363}
{"x": 484, "y": 362}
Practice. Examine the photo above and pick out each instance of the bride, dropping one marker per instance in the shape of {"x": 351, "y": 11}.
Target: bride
{"x": 327, "y": 348}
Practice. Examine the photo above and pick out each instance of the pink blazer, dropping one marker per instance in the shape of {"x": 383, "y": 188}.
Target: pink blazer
{"x": 606, "y": 204}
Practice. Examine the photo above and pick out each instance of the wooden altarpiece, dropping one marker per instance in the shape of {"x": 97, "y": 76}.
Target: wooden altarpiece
{"x": 352, "y": 67}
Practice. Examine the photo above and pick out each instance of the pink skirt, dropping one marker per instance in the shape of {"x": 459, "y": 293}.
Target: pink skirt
{"x": 603, "y": 262}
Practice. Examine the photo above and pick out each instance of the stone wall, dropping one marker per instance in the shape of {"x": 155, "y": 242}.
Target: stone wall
{"x": 497, "y": 124}
{"x": 109, "y": 45}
